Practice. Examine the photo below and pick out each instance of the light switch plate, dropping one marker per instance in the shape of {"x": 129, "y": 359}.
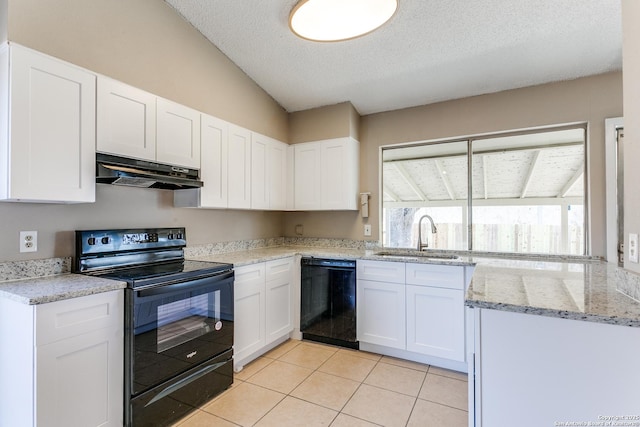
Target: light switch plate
{"x": 633, "y": 247}
{"x": 367, "y": 229}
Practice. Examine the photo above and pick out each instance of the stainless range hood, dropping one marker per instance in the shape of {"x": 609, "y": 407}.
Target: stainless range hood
{"x": 141, "y": 173}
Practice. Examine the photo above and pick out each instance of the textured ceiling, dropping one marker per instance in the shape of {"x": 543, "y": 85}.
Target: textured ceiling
{"x": 430, "y": 51}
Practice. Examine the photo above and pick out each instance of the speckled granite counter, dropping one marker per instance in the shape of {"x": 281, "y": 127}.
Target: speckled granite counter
{"x": 587, "y": 290}
{"x": 568, "y": 288}
{"x": 41, "y": 290}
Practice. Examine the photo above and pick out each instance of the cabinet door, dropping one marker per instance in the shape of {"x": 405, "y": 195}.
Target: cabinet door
{"x": 277, "y": 167}
{"x": 268, "y": 173}
{"x": 51, "y": 136}
{"x": 126, "y": 120}
{"x": 178, "y": 134}
{"x": 279, "y": 293}
{"x": 307, "y": 173}
{"x": 79, "y": 380}
{"x": 249, "y": 310}
{"x": 435, "y": 321}
{"x": 239, "y": 168}
{"x": 259, "y": 172}
{"x": 381, "y": 313}
{"x": 214, "y": 152}
{"x": 339, "y": 174}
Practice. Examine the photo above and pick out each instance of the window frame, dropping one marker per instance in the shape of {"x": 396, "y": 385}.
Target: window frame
{"x": 469, "y": 139}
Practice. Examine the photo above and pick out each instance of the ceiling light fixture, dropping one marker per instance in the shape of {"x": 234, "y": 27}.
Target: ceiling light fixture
{"x": 337, "y": 20}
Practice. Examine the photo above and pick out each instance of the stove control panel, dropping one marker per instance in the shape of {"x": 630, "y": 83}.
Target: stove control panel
{"x": 99, "y": 242}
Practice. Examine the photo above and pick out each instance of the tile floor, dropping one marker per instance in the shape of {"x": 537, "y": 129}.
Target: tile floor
{"x": 302, "y": 383}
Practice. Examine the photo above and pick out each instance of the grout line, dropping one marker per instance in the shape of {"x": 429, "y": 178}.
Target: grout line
{"x": 337, "y": 350}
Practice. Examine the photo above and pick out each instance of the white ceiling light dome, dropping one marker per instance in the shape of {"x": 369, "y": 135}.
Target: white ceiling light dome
{"x": 336, "y": 20}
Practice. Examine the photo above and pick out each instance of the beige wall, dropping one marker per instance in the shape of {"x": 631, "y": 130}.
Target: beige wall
{"x": 332, "y": 121}
{"x": 590, "y": 99}
{"x": 631, "y": 69}
{"x": 3, "y": 20}
{"x": 144, "y": 43}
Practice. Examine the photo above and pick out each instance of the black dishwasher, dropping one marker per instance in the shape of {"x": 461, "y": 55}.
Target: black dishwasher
{"x": 328, "y": 301}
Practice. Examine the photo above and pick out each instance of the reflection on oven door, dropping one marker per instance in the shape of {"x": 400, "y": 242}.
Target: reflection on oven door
{"x": 175, "y": 331}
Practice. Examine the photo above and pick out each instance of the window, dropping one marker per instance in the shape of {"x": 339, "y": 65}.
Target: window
{"x": 524, "y": 193}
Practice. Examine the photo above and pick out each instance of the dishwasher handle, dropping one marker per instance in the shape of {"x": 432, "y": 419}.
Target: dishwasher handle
{"x": 326, "y": 262}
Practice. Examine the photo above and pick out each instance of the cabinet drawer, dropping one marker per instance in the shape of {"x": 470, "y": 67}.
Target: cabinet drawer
{"x": 279, "y": 269}
{"x": 441, "y": 276}
{"x": 249, "y": 274}
{"x": 69, "y": 318}
{"x": 381, "y": 271}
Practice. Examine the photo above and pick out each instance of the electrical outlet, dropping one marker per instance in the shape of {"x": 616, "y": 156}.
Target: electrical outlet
{"x": 367, "y": 229}
{"x": 633, "y": 247}
{"x": 28, "y": 241}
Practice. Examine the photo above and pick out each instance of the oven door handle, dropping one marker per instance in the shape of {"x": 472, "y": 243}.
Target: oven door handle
{"x": 185, "y": 381}
{"x": 209, "y": 281}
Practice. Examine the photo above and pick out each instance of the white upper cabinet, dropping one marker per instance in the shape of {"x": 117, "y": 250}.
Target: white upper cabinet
{"x": 225, "y": 168}
{"x": 326, "y": 175}
{"x": 214, "y": 134}
{"x": 47, "y": 117}
{"x": 126, "y": 120}
{"x": 308, "y": 176}
{"x": 239, "y": 172}
{"x": 340, "y": 174}
{"x": 178, "y": 134}
{"x": 268, "y": 173}
{"x": 138, "y": 124}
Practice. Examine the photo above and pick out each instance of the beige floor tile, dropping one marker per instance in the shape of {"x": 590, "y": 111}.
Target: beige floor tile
{"x": 405, "y": 363}
{"x": 445, "y": 390}
{"x": 364, "y": 354}
{"x": 346, "y": 365}
{"x": 244, "y": 404}
{"x": 280, "y": 376}
{"x": 252, "y": 368}
{"x": 448, "y": 373}
{"x": 380, "y": 406}
{"x": 396, "y": 378}
{"x": 429, "y": 414}
{"x": 344, "y": 420}
{"x": 326, "y": 390}
{"x": 183, "y": 419}
{"x": 292, "y": 412}
{"x": 205, "y": 419}
{"x": 308, "y": 355}
{"x": 282, "y": 349}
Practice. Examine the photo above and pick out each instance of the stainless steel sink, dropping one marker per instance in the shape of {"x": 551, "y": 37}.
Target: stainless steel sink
{"x": 417, "y": 255}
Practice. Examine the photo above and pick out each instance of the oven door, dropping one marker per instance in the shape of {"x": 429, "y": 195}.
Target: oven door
{"x": 176, "y": 326}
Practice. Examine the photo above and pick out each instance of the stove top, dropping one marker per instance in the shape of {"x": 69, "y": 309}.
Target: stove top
{"x": 140, "y": 256}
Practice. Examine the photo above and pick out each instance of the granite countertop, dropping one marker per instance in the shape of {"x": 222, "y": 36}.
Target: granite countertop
{"x": 590, "y": 291}
{"x": 40, "y": 290}
{"x": 577, "y": 288}
{"x": 567, "y": 287}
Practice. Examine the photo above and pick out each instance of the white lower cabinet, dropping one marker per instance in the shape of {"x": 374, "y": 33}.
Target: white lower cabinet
{"x": 248, "y": 325}
{"x": 381, "y": 313}
{"x": 413, "y": 310}
{"x": 62, "y": 362}
{"x": 435, "y": 322}
{"x": 263, "y": 310}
